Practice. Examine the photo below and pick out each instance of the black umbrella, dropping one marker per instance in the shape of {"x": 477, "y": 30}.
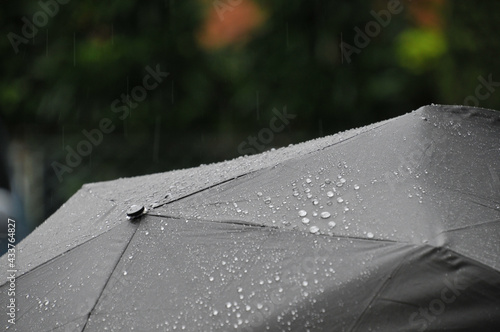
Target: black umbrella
{"x": 390, "y": 227}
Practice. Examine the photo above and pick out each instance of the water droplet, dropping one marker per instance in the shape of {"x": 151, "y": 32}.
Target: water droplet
{"x": 215, "y": 312}
{"x": 332, "y": 224}
{"x": 259, "y": 305}
{"x": 259, "y": 194}
{"x": 370, "y": 235}
{"x": 325, "y": 214}
{"x": 340, "y": 199}
{"x": 314, "y": 229}
{"x": 302, "y": 213}
{"x": 308, "y": 180}
{"x": 342, "y": 180}
{"x": 329, "y": 194}
{"x": 147, "y": 233}
{"x": 305, "y": 283}
{"x": 356, "y": 187}
{"x": 315, "y": 202}
{"x": 228, "y": 305}
{"x": 124, "y": 273}
{"x": 305, "y": 221}
{"x": 267, "y": 200}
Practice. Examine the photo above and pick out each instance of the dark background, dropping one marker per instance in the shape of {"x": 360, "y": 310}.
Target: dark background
{"x": 230, "y": 64}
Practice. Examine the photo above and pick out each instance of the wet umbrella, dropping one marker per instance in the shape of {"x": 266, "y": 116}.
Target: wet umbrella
{"x": 390, "y": 227}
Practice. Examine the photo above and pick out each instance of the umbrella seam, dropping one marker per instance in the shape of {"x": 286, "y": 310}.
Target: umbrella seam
{"x": 469, "y": 226}
{"x": 206, "y": 188}
{"x": 274, "y": 165}
{"x": 109, "y": 278}
{"x": 483, "y": 265}
{"x": 382, "y": 287}
{"x": 282, "y": 229}
{"x": 64, "y": 253}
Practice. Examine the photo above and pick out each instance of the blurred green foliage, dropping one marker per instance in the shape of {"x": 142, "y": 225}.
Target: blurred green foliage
{"x": 65, "y": 78}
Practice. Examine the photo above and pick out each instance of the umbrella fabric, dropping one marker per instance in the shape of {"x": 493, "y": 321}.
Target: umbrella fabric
{"x": 390, "y": 227}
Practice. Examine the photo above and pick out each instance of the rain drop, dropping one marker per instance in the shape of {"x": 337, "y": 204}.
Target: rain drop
{"x": 325, "y": 215}
{"x": 370, "y": 235}
{"x": 302, "y": 213}
{"x": 308, "y": 180}
{"x": 340, "y": 199}
{"x": 314, "y": 229}
{"x": 124, "y": 273}
{"x": 332, "y": 224}
{"x": 329, "y": 194}
{"x": 356, "y": 187}
{"x": 305, "y": 221}
{"x": 228, "y": 305}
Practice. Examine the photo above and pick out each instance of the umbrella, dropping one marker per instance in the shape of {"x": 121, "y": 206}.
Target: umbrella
{"x": 390, "y": 227}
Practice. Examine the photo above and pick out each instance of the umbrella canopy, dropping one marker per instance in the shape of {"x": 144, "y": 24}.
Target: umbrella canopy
{"x": 390, "y": 227}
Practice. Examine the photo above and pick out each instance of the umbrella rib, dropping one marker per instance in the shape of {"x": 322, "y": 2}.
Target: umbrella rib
{"x": 470, "y": 226}
{"x": 382, "y": 287}
{"x": 267, "y": 167}
{"x": 109, "y": 278}
{"x": 235, "y": 222}
{"x": 250, "y": 224}
{"x": 206, "y": 188}
{"x": 483, "y": 265}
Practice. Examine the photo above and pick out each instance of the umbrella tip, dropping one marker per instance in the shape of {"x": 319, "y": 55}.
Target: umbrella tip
{"x": 135, "y": 211}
